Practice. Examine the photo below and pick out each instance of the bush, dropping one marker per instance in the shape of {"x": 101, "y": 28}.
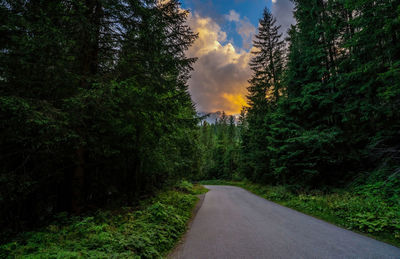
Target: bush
{"x": 184, "y": 186}
{"x": 149, "y": 231}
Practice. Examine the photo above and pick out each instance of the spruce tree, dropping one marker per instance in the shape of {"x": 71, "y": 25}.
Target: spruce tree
{"x": 264, "y": 92}
{"x": 267, "y": 63}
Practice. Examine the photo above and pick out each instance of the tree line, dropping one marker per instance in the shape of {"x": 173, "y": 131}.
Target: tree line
{"x": 219, "y": 144}
{"x": 324, "y": 103}
{"x": 94, "y": 107}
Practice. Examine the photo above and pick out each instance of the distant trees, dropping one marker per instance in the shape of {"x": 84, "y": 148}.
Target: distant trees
{"x": 94, "y": 105}
{"x": 220, "y": 145}
{"x": 333, "y": 118}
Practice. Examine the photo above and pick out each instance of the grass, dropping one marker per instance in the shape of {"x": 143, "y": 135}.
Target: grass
{"x": 149, "y": 231}
{"x": 358, "y": 211}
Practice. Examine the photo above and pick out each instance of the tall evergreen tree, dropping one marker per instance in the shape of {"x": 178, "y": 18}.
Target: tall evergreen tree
{"x": 264, "y": 91}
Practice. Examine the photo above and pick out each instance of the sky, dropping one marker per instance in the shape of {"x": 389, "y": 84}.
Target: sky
{"x": 226, "y": 29}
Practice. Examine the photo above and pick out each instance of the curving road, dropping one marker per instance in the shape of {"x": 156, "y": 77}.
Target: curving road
{"x": 234, "y": 223}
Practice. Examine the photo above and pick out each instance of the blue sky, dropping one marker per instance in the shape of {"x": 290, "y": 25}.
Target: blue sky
{"x": 218, "y": 9}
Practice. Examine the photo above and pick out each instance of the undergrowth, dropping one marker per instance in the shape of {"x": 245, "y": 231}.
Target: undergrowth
{"x": 149, "y": 231}
{"x": 361, "y": 210}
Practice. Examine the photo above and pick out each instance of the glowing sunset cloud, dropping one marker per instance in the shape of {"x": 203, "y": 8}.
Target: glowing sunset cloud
{"x": 235, "y": 101}
{"x": 220, "y": 75}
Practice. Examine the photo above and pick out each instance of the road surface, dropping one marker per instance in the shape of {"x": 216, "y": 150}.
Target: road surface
{"x": 234, "y": 223}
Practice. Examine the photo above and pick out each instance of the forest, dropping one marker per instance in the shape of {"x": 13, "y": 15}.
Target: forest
{"x": 94, "y": 105}
{"x": 323, "y": 103}
{"x": 95, "y": 111}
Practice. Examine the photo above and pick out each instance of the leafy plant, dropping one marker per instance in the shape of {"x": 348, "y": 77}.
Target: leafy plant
{"x": 149, "y": 231}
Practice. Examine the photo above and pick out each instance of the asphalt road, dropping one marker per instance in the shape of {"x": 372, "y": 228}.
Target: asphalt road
{"x": 233, "y": 223}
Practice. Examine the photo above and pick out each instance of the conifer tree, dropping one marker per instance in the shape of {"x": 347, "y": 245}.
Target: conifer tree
{"x": 267, "y": 63}
{"x": 264, "y": 91}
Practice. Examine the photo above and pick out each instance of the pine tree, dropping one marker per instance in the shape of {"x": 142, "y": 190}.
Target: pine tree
{"x": 264, "y": 92}
{"x": 370, "y": 72}
{"x": 267, "y": 63}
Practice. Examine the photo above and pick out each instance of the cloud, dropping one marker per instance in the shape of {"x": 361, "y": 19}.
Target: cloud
{"x": 243, "y": 27}
{"x": 220, "y": 75}
{"x": 246, "y": 30}
{"x": 233, "y": 16}
{"x": 282, "y": 10}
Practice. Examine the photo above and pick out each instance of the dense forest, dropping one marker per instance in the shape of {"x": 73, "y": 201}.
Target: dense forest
{"x": 324, "y": 103}
{"x": 220, "y": 146}
{"x": 95, "y": 109}
{"x": 94, "y": 105}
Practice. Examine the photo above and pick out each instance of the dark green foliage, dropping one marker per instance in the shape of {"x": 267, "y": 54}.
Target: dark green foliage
{"x": 94, "y": 107}
{"x": 265, "y": 91}
{"x": 334, "y": 117}
{"x": 149, "y": 231}
{"x": 219, "y": 143}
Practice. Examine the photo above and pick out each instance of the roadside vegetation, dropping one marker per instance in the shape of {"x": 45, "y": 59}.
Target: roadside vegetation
{"x": 149, "y": 230}
{"x": 359, "y": 209}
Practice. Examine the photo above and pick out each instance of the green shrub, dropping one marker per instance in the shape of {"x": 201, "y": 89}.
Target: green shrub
{"x": 149, "y": 231}
{"x": 184, "y": 186}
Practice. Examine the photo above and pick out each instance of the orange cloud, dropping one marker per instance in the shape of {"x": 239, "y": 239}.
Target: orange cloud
{"x": 236, "y": 100}
{"x": 220, "y": 75}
